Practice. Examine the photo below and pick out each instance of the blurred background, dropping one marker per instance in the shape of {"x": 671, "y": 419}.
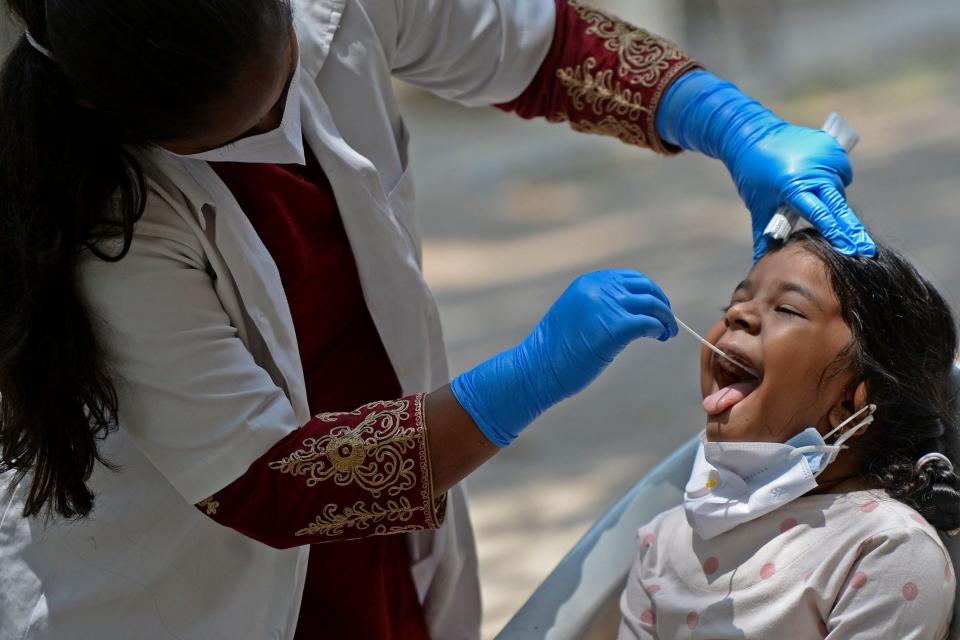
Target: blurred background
{"x": 511, "y": 211}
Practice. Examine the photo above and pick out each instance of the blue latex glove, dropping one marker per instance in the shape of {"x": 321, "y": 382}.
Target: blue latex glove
{"x": 771, "y": 161}
{"x": 594, "y": 320}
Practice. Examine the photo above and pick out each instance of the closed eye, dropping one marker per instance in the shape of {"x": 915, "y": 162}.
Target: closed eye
{"x": 790, "y": 311}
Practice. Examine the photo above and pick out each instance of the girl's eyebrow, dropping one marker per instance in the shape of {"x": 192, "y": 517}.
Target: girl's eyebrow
{"x": 747, "y": 286}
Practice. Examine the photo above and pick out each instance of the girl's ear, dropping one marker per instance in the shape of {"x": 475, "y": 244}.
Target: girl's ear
{"x": 861, "y": 395}
{"x": 849, "y": 404}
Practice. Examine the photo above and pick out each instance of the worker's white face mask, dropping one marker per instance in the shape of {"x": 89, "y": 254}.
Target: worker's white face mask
{"x": 735, "y": 482}
{"x": 283, "y": 145}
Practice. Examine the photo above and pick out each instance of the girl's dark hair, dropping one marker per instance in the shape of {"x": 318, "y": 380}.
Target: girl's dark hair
{"x": 124, "y": 73}
{"x": 903, "y": 348}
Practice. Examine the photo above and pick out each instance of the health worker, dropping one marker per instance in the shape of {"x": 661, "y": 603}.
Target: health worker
{"x": 225, "y": 405}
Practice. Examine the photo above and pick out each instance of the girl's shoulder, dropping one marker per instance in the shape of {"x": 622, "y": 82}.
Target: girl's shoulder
{"x": 868, "y": 512}
{"x": 871, "y": 525}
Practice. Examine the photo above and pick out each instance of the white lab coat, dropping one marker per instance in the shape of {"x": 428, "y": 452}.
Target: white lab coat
{"x": 199, "y": 334}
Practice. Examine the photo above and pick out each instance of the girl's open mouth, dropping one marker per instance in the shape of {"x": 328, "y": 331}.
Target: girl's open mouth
{"x": 733, "y": 384}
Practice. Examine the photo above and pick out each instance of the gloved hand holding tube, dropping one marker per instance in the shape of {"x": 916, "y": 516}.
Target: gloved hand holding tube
{"x": 771, "y": 161}
{"x": 592, "y": 321}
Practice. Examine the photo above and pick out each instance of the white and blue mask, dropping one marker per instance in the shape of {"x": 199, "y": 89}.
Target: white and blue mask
{"x": 735, "y": 482}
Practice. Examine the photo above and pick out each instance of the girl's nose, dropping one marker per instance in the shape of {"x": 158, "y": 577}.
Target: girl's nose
{"x": 743, "y": 316}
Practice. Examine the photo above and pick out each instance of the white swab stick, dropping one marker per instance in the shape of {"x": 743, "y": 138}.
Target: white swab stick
{"x": 713, "y": 347}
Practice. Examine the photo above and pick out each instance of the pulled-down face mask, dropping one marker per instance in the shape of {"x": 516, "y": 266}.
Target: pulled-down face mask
{"x": 735, "y": 482}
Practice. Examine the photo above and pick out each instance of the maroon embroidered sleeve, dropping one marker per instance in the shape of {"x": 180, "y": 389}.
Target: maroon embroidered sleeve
{"x": 603, "y": 76}
{"x": 339, "y": 477}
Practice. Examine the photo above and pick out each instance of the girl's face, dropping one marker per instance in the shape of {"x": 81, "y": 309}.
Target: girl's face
{"x": 783, "y": 322}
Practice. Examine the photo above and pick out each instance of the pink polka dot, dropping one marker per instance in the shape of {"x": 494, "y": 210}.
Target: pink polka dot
{"x": 648, "y": 617}
{"x": 806, "y": 578}
{"x": 822, "y": 628}
{"x": 788, "y": 524}
{"x": 710, "y": 565}
{"x": 870, "y": 506}
{"x": 947, "y": 572}
{"x": 859, "y": 579}
{"x": 910, "y": 591}
{"x": 916, "y": 517}
{"x": 649, "y": 540}
{"x": 767, "y": 570}
{"x": 867, "y": 542}
{"x": 692, "y": 620}
{"x": 652, "y": 590}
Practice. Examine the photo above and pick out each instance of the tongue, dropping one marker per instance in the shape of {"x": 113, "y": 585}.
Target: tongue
{"x": 721, "y": 400}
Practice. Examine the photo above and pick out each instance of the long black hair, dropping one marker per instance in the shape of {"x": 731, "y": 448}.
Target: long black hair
{"x": 903, "y": 348}
{"x": 123, "y": 73}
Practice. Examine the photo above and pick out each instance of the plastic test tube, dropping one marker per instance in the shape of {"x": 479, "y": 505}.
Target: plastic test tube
{"x": 784, "y": 220}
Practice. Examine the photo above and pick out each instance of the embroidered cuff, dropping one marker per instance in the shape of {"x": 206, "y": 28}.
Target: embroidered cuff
{"x": 339, "y": 477}
{"x": 604, "y": 76}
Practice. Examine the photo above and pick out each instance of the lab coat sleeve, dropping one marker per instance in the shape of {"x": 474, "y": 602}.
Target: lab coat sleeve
{"x": 341, "y": 476}
{"x": 603, "y": 76}
{"x": 475, "y": 52}
{"x": 902, "y": 586}
{"x": 191, "y": 396}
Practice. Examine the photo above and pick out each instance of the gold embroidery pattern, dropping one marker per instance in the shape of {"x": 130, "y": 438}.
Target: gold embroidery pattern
{"x": 374, "y": 454}
{"x": 610, "y": 126}
{"x": 434, "y": 509}
{"x": 210, "y": 505}
{"x": 643, "y": 56}
{"x": 646, "y": 62}
{"x": 330, "y": 523}
{"x": 600, "y": 91}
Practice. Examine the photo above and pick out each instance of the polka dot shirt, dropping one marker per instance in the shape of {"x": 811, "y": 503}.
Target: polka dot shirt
{"x": 850, "y": 565}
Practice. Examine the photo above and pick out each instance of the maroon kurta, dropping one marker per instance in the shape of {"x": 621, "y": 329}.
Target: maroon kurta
{"x": 359, "y": 588}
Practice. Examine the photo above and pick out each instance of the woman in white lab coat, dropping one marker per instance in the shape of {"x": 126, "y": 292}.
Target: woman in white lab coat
{"x": 217, "y": 350}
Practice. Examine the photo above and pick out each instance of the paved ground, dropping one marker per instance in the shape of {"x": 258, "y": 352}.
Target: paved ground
{"x": 512, "y": 211}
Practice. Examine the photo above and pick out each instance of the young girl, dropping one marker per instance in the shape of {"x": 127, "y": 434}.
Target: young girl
{"x": 782, "y": 534}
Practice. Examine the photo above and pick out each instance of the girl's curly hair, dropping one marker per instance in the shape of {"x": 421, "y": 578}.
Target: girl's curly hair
{"x": 903, "y": 348}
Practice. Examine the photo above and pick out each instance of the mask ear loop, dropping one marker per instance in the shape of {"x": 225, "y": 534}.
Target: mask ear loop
{"x": 833, "y": 450}
{"x": 843, "y": 437}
